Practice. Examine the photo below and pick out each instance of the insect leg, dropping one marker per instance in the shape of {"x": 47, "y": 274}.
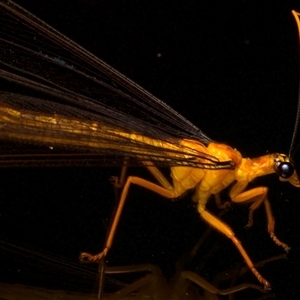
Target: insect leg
{"x": 257, "y": 196}
{"x": 225, "y": 229}
{"x": 163, "y": 191}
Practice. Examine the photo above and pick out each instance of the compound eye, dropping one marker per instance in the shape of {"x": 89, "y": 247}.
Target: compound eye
{"x": 285, "y": 170}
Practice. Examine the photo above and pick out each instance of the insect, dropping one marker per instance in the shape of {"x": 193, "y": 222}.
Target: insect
{"x": 84, "y": 107}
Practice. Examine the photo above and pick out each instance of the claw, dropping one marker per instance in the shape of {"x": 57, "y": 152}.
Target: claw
{"x": 267, "y": 285}
{"x": 279, "y": 243}
{"x": 87, "y": 257}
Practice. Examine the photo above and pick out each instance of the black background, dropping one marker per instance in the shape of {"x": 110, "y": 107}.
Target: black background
{"x": 230, "y": 67}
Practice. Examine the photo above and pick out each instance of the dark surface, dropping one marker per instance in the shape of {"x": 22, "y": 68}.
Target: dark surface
{"x": 230, "y": 68}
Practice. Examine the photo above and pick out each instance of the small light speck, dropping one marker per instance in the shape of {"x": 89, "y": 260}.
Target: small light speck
{"x": 159, "y": 55}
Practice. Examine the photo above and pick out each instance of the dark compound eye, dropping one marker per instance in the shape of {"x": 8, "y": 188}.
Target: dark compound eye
{"x": 285, "y": 170}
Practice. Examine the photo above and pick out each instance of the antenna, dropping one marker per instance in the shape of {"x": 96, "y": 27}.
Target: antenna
{"x": 296, "y": 16}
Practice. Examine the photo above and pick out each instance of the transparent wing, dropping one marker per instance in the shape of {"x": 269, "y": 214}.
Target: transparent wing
{"x": 56, "y": 76}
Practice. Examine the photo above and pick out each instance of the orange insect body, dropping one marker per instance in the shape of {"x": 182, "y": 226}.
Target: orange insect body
{"x": 210, "y": 181}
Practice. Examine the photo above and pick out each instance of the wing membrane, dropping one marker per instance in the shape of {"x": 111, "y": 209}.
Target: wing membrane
{"x": 58, "y": 77}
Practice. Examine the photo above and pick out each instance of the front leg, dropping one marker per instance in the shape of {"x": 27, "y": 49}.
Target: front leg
{"x": 257, "y": 196}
